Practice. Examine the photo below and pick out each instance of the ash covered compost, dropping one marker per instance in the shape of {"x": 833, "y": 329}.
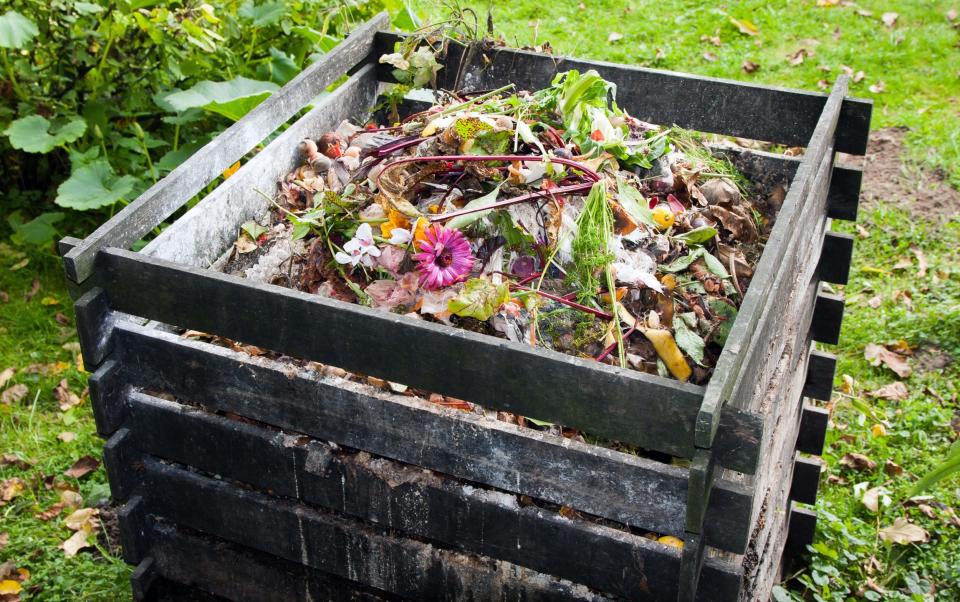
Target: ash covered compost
{"x": 550, "y": 218}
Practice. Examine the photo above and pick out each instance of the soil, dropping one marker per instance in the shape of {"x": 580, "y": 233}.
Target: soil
{"x": 889, "y": 178}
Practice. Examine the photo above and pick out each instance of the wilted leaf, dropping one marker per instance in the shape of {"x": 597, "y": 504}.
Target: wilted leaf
{"x": 10, "y": 587}
{"x": 749, "y": 66}
{"x": 709, "y": 56}
{"x": 75, "y": 543}
{"x": 745, "y": 27}
{"x": 878, "y": 87}
{"x": 895, "y": 391}
{"x": 875, "y": 301}
{"x": 479, "y": 299}
{"x": 67, "y": 436}
{"x": 614, "y": 36}
{"x": 83, "y": 519}
{"x": 14, "y": 394}
{"x": 11, "y": 488}
{"x": 6, "y": 375}
{"x": 878, "y": 430}
{"x": 33, "y": 133}
{"x": 921, "y": 262}
{"x": 82, "y": 467}
{"x": 889, "y": 19}
{"x": 16, "y": 30}
{"x": 878, "y": 354}
{"x": 857, "y": 461}
{"x": 903, "y": 532}
{"x": 873, "y": 497}
{"x": 797, "y": 57}
{"x": 15, "y": 460}
{"x": 952, "y": 14}
{"x": 892, "y": 468}
{"x": 4, "y": 540}
{"x": 232, "y": 99}
{"x": 94, "y": 186}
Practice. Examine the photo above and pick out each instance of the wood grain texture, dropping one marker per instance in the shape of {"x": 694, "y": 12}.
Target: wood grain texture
{"x": 414, "y": 502}
{"x": 733, "y": 108}
{"x": 181, "y": 184}
{"x": 599, "y": 481}
{"x": 200, "y": 236}
{"x": 605, "y": 401}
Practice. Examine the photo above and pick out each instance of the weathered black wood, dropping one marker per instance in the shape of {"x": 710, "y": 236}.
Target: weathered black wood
{"x": 802, "y": 529}
{"x": 706, "y": 104}
{"x": 820, "y": 372}
{"x": 134, "y": 538}
{"x": 142, "y": 580}
{"x": 94, "y": 325}
{"x": 834, "y": 266}
{"x": 739, "y": 352}
{"x": 343, "y": 547}
{"x": 201, "y": 236}
{"x": 827, "y": 318}
{"x": 164, "y": 590}
{"x": 844, "y": 198}
{"x": 413, "y": 502}
{"x": 691, "y": 568}
{"x": 599, "y": 481}
{"x": 213, "y": 565}
{"x": 106, "y": 396}
{"x": 619, "y": 404}
{"x": 170, "y": 193}
{"x": 813, "y": 430}
{"x": 63, "y": 247}
{"x": 122, "y": 462}
{"x": 806, "y": 480}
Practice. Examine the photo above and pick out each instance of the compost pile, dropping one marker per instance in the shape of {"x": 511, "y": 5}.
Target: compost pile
{"x": 550, "y": 218}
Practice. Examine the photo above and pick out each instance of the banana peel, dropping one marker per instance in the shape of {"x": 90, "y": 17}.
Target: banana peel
{"x": 668, "y": 351}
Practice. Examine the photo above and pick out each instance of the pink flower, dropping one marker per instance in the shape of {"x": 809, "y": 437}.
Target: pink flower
{"x": 445, "y": 257}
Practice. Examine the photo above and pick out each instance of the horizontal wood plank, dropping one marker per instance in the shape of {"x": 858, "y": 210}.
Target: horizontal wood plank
{"x": 595, "y": 480}
{"x": 200, "y": 236}
{"x": 606, "y": 401}
{"x": 412, "y": 501}
{"x": 330, "y": 543}
{"x": 180, "y": 185}
{"x": 734, "y": 108}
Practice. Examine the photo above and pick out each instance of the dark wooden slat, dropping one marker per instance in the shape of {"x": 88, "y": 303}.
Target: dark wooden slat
{"x": 106, "y": 390}
{"x": 395, "y": 496}
{"x": 214, "y": 565}
{"x": 844, "y": 196}
{"x": 170, "y": 193}
{"x": 94, "y": 325}
{"x": 122, "y": 463}
{"x": 806, "y": 480}
{"x": 827, "y": 319}
{"x": 342, "y": 547}
{"x": 740, "y": 349}
{"x": 619, "y": 404}
{"x": 802, "y": 529}
{"x": 813, "y": 430}
{"x": 142, "y": 580}
{"x": 820, "y": 373}
{"x": 134, "y": 539}
{"x": 707, "y": 104}
{"x": 63, "y": 247}
{"x": 208, "y": 229}
{"x": 599, "y": 481}
{"x": 835, "y": 259}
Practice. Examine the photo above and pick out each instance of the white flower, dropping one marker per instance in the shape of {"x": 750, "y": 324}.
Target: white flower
{"x": 400, "y": 236}
{"x": 360, "y": 248}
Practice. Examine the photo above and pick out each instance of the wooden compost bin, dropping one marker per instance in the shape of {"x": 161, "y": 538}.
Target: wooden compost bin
{"x": 248, "y": 478}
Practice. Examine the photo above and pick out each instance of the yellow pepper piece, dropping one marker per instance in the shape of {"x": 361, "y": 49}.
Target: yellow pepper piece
{"x": 670, "y": 540}
{"x": 669, "y": 352}
{"x": 663, "y": 217}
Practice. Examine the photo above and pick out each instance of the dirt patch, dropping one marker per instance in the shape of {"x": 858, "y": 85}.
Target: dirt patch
{"x": 888, "y": 178}
{"x": 109, "y": 537}
{"x": 929, "y": 358}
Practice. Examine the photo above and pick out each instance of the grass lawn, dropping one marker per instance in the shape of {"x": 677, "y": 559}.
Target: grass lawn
{"x": 889, "y": 299}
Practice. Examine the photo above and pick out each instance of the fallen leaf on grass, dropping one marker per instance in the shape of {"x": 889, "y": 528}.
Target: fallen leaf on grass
{"x": 952, "y": 14}
{"x": 878, "y": 87}
{"x": 797, "y": 57}
{"x": 84, "y": 518}
{"x": 75, "y": 543}
{"x": 65, "y": 396}
{"x": 878, "y": 430}
{"x": 48, "y": 301}
{"x": 67, "y": 436}
{"x": 615, "y": 36}
{"x": 875, "y": 301}
{"x": 9, "y": 587}
{"x": 921, "y": 262}
{"x": 745, "y": 27}
{"x": 61, "y": 319}
{"x": 34, "y": 289}
{"x": 749, "y": 66}
{"x": 903, "y": 532}
{"x": 892, "y": 468}
{"x": 828, "y": 2}
{"x": 709, "y": 56}
{"x": 857, "y": 461}
{"x": 895, "y": 391}
{"x": 11, "y": 488}
{"x": 873, "y": 497}
{"x": 889, "y": 19}
{"x": 871, "y": 585}
{"x": 6, "y": 375}
{"x": 82, "y": 467}
{"x": 15, "y": 460}
{"x": 862, "y": 232}
{"x": 878, "y": 354}
{"x": 14, "y": 394}
{"x": 823, "y": 84}
{"x": 50, "y": 513}
{"x": 715, "y": 40}
{"x": 20, "y": 265}
{"x": 4, "y": 540}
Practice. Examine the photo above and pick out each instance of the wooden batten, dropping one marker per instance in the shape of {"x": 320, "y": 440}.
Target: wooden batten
{"x": 806, "y": 480}
{"x": 813, "y": 430}
{"x": 835, "y": 259}
{"x": 820, "y": 372}
{"x": 827, "y": 318}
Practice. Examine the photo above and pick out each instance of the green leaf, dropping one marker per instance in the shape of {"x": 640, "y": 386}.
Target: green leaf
{"x": 682, "y": 263}
{"x": 16, "y": 30}
{"x": 232, "y": 99}
{"x": 88, "y": 8}
{"x": 94, "y": 186}
{"x": 253, "y": 229}
{"x": 406, "y": 19}
{"x": 479, "y": 299}
{"x": 465, "y": 220}
{"x": 264, "y": 14}
{"x": 949, "y": 466}
{"x": 323, "y": 41}
{"x": 727, "y": 314}
{"x": 714, "y": 265}
{"x": 688, "y": 341}
{"x": 697, "y": 236}
{"x": 38, "y": 231}
{"x": 633, "y": 203}
{"x": 280, "y": 68}
{"x": 33, "y": 135}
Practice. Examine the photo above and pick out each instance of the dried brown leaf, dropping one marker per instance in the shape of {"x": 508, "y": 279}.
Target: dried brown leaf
{"x": 65, "y": 397}
{"x": 6, "y": 375}
{"x": 11, "y": 488}
{"x": 75, "y": 543}
{"x": 878, "y": 87}
{"x": 34, "y": 289}
{"x": 857, "y": 461}
{"x": 14, "y": 394}
{"x": 14, "y": 460}
{"x": 83, "y": 519}
{"x": 709, "y": 56}
{"x": 872, "y": 498}
{"x": 67, "y": 436}
{"x": 921, "y": 261}
{"x": 895, "y": 391}
{"x": 615, "y": 36}
{"x": 889, "y": 19}
{"x": 903, "y": 532}
{"x": 82, "y": 467}
{"x": 749, "y": 66}
{"x": 4, "y": 540}
{"x": 875, "y": 301}
{"x": 878, "y": 354}
{"x": 892, "y": 468}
